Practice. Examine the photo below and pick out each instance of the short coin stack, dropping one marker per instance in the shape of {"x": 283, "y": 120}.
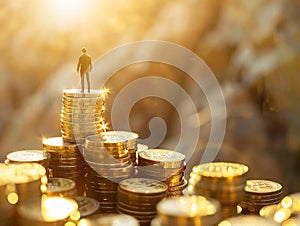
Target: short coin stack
{"x": 82, "y": 114}
{"x": 163, "y": 165}
{"x": 187, "y": 211}
{"x": 260, "y": 193}
{"x": 62, "y": 187}
{"x": 223, "y": 181}
{"x": 131, "y": 139}
{"x": 109, "y": 163}
{"x": 138, "y": 197}
{"x": 66, "y": 161}
{"x": 29, "y": 156}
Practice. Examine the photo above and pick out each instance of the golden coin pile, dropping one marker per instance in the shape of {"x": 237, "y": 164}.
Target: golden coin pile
{"x": 131, "y": 139}
{"x": 61, "y": 187}
{"x": 109, "y": 163}
{"x": 109, "y": 220}
{"x": 66, "y": 161}
{"x": 260, "y": 193}
{"x": 82, "y": 114}
{"x": 223, "y": 181}
{"x": 164, "y": 165}
{"x": 286, "y": 213}
{"x": 247, "y": 220}
{"x": 138, "y": 197}
{"x": 187, "y": 211}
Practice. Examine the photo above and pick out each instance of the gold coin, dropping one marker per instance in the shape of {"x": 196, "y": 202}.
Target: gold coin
{"x": 220, "y": 169}
{"x": 168, "y": 158}
{"x": 57, "y": 143}
{"x": 27, "y": 156}
{"x": 122, "y": 135}
{"x": 77, "y": 93}
{"x": 143, "y": 186}
{"x": 114, "y": 141}
{"x": 262, "y": 186}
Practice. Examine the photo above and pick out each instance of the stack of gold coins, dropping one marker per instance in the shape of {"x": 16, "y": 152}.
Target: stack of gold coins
{"x": 61, "y": 187}
{"x": 109, "y": 220}
{"x": 82, "y": 114}
{"x": 223, "y": 181}
{"x": 188, "y": 211}
{"x": 138, "y": 197}
{"x": 29, "y": 156}
{"x": 87, "y": 206}
{"x": 247, "y": 220}
{"x": 66, "y": 161}
{"x": 260, "y": 193}
{"x": 131, "y": 139}
{"x": 24, "y": 181}
{"x": 46, "y": 211}
{"x": 164, "y": 165}
{"x": 109, "y": 163}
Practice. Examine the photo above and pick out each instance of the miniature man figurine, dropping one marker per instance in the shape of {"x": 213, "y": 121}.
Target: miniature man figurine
{"x": 84, "y": 67}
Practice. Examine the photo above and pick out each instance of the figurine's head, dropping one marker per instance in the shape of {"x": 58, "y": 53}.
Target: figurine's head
{"x": 83, "y": 50}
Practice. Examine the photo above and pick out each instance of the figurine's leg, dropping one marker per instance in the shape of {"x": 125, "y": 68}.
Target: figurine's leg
{"x": 82, "y": 83}
{"x": 88, "y": 81}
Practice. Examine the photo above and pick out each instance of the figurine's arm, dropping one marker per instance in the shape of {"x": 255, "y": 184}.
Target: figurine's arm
{"x": 90, "y": 64}
{"x": 78, "y": 65}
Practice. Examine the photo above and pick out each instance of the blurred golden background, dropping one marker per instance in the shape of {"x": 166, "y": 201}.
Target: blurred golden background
{"x": 251, "y": 46}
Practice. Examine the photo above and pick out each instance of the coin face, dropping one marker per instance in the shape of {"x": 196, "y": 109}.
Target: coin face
{"x": 27, "y": 156}
{"x": 162, "y": 155}
{"x": 262, "y": 186}
{"x": 77, "y": 93}
{"x": 86, "y": 205}
{"x": 189, "y": 206}
{"x": 123, "y": 135}
{"x": 143, "y": 185}
{"x": 60, "y": 184}
{"x": 58, "y": 143}
{"x": 220, "y": 169}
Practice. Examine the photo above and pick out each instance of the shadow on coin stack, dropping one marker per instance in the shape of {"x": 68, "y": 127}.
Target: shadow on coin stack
{"x": 19, "y": 184}
{"x": 223, "y": 181}
{"x": 108, "y": 164}
{"x": 260, "y": 193}
{"x": 138, "y": 197}
{"x": 164, "y": 165}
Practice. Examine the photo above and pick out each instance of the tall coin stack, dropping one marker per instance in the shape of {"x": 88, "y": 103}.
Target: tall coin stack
{"x": 187, "y": 211}
{"x": 82, "y": 114}
{"x": 66, "y": 161}
{"x": 164, "y": 165}
{"x": 109, "y": 163}
{"x": 29, "y": 156}
{"x": 223, "y": 181}
{"x": 138, "y": 197}
{"x": 260, "y": 193}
